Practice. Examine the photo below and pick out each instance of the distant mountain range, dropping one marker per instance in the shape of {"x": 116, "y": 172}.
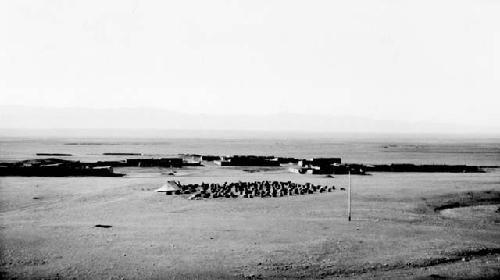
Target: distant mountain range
{"x": 54, "y": 121}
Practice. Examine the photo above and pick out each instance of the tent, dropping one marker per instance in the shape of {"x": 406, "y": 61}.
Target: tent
{"x": 171, "y": 187}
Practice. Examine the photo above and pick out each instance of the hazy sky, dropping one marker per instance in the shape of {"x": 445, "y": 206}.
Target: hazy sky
{"x": 420, "y": 60}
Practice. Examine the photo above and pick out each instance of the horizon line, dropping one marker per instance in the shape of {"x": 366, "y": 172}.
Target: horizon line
{"x": 228, "y": 133}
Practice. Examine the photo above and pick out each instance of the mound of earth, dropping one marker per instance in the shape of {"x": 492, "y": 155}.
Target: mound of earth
{"x": 477, "y": 212}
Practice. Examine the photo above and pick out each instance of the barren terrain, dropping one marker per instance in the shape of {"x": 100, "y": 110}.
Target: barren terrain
{"x": 417, "y": 226}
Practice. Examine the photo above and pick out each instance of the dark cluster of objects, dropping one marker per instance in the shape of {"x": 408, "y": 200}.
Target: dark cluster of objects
{"x": 54, "y": 167}
{"x": 122, "y": 154}
{"x": 103, "y": 226}
{"x": 149, "y": 162}
{"x": 327, "y": 166}
{"x": 53, "y": 154}
{"x": 210, "y": 157}
{"x": 261, "y": 189}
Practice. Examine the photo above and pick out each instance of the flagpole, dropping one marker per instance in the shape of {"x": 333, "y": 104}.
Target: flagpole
{"x": 349, "y": 198}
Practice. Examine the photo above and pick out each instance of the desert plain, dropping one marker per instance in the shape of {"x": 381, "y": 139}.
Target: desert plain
{"x": 404, "y": 226}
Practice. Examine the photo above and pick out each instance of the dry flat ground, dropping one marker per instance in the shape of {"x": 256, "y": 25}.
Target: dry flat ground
{"x": 48, "y": 228}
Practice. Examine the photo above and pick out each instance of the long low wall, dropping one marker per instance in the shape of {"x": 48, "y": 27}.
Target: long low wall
{"x": 57, "y": 171}
{"x": 424, "y": 168}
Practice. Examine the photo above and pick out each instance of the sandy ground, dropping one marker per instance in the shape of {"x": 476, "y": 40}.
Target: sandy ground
{"x": 47, "y": 228}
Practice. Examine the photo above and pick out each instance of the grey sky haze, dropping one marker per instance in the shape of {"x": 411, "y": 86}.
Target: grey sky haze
{"x": 409, "y": 61}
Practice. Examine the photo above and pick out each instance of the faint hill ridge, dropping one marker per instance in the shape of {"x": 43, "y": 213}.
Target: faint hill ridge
{"x": 21, "y": 117}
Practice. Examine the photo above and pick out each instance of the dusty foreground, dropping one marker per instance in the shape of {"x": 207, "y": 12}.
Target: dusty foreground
{"x": 48, "y": 228}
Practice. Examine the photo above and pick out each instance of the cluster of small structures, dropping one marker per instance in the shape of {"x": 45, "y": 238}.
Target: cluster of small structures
{"x": 241, "y": 160}
{"x": 327, "y": 166}
{"x": 315, "y": 166}
{"x": 248, "y": 161}
{"x": 261, "y": 189}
